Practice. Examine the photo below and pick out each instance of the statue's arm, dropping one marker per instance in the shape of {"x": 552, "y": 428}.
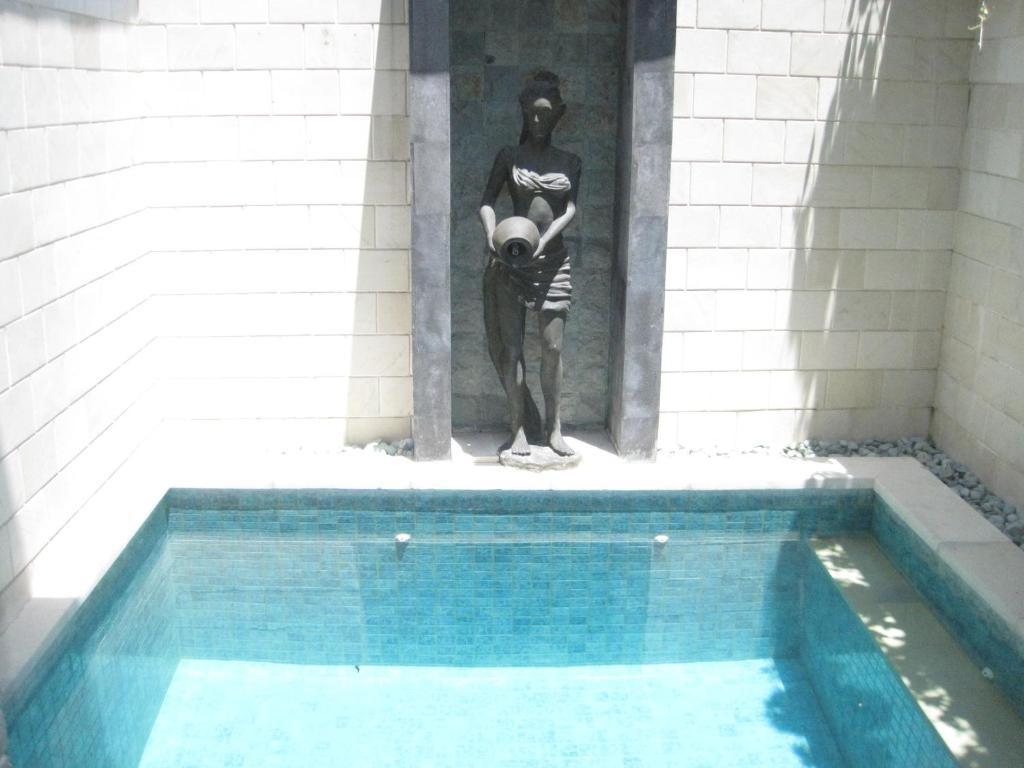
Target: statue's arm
{"x": 499, "y": 172}
{"x": 575, "y": 171}
{"x": 488, "y": 219}
{"x": 556, "y": 228}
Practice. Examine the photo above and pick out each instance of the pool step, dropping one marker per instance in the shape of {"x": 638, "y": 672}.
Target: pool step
{"x": 974, "y": 719}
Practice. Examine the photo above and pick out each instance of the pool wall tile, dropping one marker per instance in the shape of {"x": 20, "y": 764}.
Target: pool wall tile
{"x": 96, "y": 694}
{"x": 986, "y": 637}
{"x": 875, "y": 722}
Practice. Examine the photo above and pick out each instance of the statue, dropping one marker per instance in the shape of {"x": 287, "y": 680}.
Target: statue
{"x": 528, "y": 265}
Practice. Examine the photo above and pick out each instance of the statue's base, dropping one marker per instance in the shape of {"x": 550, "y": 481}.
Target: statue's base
{"x": 541, "y": 458}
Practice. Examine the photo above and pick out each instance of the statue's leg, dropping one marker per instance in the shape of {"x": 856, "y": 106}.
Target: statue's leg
{"x": 531, "y": 415}
{"x": 552, "y": 329}
{"x": 511, "y": 319}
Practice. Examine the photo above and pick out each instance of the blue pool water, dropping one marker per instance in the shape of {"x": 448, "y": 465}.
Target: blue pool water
{"x": 287, "y": 629}
{"x": 731, "y": 714}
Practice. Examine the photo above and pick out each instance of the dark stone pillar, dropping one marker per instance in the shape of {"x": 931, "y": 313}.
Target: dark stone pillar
{"x": 638, "y": 277}
{"x": 430, "y": 135}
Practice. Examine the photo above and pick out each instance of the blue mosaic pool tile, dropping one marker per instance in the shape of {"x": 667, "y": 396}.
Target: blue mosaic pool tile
{"x": 820, "y": 512}
{"x": 983, "y": 635}
{"x": 282, "y": 597}
{"x": 745, "y": 714}
{"x": 93, "y": 699}
{"x": 313, "y": 577}
{"x": 874, "y": 720}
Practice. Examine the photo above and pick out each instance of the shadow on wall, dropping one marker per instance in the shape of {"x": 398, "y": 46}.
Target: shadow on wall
{"x": 379, "y": 383}
{"x": 863, "y": 335}
{"x": 814, "y": 317}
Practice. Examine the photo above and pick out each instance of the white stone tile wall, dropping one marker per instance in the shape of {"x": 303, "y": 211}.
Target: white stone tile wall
{"x": 203, "y": 215}
{"x": 275, "y": 149}
{"x": 979, "y": 402}
{"x": 75, "y": 362}
{"x": 814, "y": 194}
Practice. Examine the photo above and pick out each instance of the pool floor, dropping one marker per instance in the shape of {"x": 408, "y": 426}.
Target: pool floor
{"x": 761, "y": 713}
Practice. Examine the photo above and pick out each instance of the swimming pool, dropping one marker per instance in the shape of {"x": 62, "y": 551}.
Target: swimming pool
{"x": 527, "y": 629}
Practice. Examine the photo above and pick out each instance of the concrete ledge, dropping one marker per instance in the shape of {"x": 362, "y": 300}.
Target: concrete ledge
{"x": 977, "y": 723}
{"x": 301, "y": 454}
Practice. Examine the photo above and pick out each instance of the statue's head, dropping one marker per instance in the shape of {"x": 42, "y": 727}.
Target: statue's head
{"x": 542, "y": 105}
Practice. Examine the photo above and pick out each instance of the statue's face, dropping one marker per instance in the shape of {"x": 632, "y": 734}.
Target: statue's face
{"x": 541, "y": 117}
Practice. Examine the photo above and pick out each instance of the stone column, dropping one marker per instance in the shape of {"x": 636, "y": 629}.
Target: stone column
{"x": 638, "y": 275}
{"x": 430, "y": 134}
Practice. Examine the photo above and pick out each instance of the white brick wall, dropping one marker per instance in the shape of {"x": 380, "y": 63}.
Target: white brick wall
{"x": 814, "y": 191}
{"x": 73, "y": 295}
{"x": 204, "y": 216}
{"x": 979, "y": 401}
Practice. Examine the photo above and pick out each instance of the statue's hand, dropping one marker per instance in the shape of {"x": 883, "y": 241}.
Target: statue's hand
{"x": 539, "y": 253}
{"x": 490, "y": 242}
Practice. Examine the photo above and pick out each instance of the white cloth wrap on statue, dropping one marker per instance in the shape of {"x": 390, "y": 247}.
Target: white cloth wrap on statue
{"x": 548, "y": 182}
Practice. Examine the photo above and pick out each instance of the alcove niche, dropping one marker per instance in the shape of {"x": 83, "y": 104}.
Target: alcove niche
{"x": 468, "y": 63}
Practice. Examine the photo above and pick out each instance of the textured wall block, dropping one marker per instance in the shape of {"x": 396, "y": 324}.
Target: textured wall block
{"x": 716, "y": 351}
{"x": 272, "y": 138}
{"x": 371, "y": 11}
{"x": 347, "y": 46}
{"x": 305, "y": 93}
{"x": 38, "y": 277}
{"x": 689, "y": 311}
{"x": 786, "y": 98}
{"x": 19, "y": 37}
{"x": 25, "y": 348}
{"x": 758, "y": 53}
{"x": 744, "y": 311}
{"x": 275, "y": 46}
{"x": 17, "y": 234}
{"x": 16, "y": 416}
{"x": 790, "y": 15}
{"x": 201, "y": 47}
{"x": 366, "y": 92}
{"x": 42, "y": 97}
{"x": 394, "y": 313}
{"x": 310, "y": 11}
{"x": 828, "y": 350}
{"x": 396, "y": 396}
{"x": 716, "y": 269}
{"x": 701, "y": 50}
{"x": 885, "y": 350}
{"x": 853, "y": 389}
{"x": 697, "y": 139}
{"x": 392, "y": 47}
{"x": 862, "y": 310}
{"x": 724, "y": 96}
{"x": 750, "y": 227}
{"x": 338, "y": 138}
{"x": 692, "y": 227}
{"x": 147, "y": 48}
{"x": 771, "y": 350}
{"x": 169, "y": 11}
{"x": 233, "y": 11}
{"x": 29, "y": 161}
{"x": 236, "y": 93}
{"x": 729, "y": 14}
{"x": 720, "y": 183}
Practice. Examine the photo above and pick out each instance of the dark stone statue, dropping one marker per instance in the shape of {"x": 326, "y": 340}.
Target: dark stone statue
{"x": 528, "y": 266}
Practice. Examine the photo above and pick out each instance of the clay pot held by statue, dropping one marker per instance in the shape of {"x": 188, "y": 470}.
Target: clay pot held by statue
{"x": 516, "y": 239}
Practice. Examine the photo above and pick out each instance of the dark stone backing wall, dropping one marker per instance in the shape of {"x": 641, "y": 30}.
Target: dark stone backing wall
{"x": 495, "y": 46}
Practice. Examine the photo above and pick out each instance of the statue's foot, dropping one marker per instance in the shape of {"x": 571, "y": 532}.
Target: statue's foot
{"x": 558, "y": 444}
{"x": 520, "y": 445}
